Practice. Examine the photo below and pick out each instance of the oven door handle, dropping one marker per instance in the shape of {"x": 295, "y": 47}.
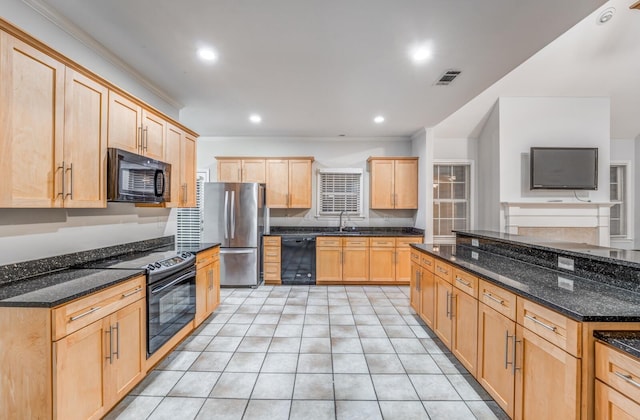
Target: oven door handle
{"x": 178, "y": 280}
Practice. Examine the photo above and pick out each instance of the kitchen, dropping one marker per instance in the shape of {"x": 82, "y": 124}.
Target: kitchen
{"x": 33, "y": 233}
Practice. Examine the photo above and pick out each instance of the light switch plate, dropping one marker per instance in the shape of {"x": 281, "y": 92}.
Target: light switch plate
{"x": 474, "y": 255}
{"x": 565, "y": 283}
{"x": 566, "y": 263}
{"x": 475, "y": 242}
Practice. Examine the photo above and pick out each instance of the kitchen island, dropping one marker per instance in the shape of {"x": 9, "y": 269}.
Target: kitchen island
{"x": 525, "y": 330}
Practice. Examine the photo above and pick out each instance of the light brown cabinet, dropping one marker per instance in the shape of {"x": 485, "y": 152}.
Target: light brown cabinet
{"x": 394, "y": 182}
{"x": 207, "y": 283}
{"x": 272, "y": 248}
{"x": 355, "y": 259}
{"x": 617, "y": 384}
{"x": 289, "y": 183}
{"x": 77, "y": 360}
{"x": 328, "y": 260}
{"x": 389, "y": 259}
{"x": 241, "y": 169}
{"x": 134, "y": 128}
{"x": 342, "y": 259}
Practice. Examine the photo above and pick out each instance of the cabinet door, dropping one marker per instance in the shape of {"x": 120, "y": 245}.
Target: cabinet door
{"x": 188, "y": 171}
{"x": 229, "y": 170}
{"x": 382, "y": 264}
{"x": 128, "y": 350}
{"x": 464, "y": 334}
{"x": 403, "y": 264}
{"x": 428, "y": 297}
{"x": 406, "y": 184}
{"x": 442, "y": 313}
{"x": 414, "y": 287}
{"x": 213, "y": 290}
{"x": 202, "y": 291}
{"x": 495, "y": 355}
{"x": 300, "y": 183}
{"x": 329, "y": 264}
{"x": 382, "y": 184}
{"x": 172, "y": 151}
{"x": 80, "y": 363}
{"x": 254, "y": 170}
{"x": 355, "y": 264}
{"x": 612, "y": 405}
{"x": 125, "y": 119}
{"x": 277, "y": 183}
{"x": 154, "y": 128}
{"x": 85, "y": 141}
{"x": 545, "y": 373}
{"x": 31, "y": 111}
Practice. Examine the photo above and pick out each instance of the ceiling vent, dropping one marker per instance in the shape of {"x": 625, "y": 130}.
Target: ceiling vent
{"x": 448, "y": 77}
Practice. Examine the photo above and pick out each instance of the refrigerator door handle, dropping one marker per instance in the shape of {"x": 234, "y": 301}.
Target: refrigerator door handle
{"x": 233, "y": 214}
{"x": 226, "y": 215}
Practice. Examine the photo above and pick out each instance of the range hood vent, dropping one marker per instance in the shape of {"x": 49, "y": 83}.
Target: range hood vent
{"x": 448, "y": 77}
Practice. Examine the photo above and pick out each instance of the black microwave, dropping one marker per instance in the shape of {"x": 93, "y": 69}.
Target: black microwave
{"x": 133, "y": 178}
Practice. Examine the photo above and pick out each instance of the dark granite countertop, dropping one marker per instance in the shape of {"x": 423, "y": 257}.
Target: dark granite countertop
{"x": 348, "y": 231}
{"x": 576, "y": 297}
{"x": 626, "y": 257}
{"x": 627, "y": 341}
{"x": 56, "y": 288}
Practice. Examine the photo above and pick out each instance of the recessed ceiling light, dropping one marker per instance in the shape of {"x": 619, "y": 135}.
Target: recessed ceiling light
{"x": 606, "y": 15}
{"x": 255, "y": 118}
{"x": 379, "y": 119}
{"x": 420, "y": 54}
{"x": 207, "y": 54}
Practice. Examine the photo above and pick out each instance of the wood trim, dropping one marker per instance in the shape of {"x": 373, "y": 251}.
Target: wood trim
{"x": 36, "y": 43}
{"x": 311, "y": 158}
{"x": 391, "y": 158}
{"x": 26, "y": 380}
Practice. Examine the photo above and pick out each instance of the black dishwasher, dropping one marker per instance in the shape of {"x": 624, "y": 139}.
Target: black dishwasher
{"x": 298, "y": 259}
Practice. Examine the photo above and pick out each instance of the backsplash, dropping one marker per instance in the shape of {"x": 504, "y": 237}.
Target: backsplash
{"x": 22, "y": 270}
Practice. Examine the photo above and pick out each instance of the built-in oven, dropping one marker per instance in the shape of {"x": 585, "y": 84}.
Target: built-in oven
{"x": 171, "y": 304}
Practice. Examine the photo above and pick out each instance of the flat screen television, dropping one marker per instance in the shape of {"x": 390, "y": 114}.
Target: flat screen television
{"x": 564, "y": 168}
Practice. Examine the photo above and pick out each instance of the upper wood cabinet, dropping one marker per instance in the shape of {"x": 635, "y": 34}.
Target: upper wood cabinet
{"x": 55, "y": 122}
{"x": 241, "y": 170}
{"x": 289, "y": 183}
{"x": 180, "y": 152}
{"x": 134, "y": 128}
{"x": 394, "y": 182}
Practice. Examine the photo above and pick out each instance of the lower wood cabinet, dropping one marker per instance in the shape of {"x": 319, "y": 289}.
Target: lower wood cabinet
{"x": 442, "y": 310}
{"x": 272, "y": 264}
{"x": 617, "y": 387}
{"x": 612, "y": 405}
{"x": 464, "y": 330}
{"x": 207, "y": 284}
{"x": 355, "y": 259}
{"x": 96, "y": 366}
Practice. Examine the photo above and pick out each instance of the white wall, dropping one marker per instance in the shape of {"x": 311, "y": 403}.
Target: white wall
{"x": 551, "y": 122}
{"x": 328, "y": 153}
{"x": 27, "y": 234}
{"x": 488, "y": 180}
{"x": 626, "y": 151}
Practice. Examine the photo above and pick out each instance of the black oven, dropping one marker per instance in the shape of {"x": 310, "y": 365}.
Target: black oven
{"x": 171, "y": 304}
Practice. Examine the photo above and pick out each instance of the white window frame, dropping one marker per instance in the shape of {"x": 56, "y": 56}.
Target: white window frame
{"x": 451, "y": 239}
{"x": 628, "y": 199}
{"x": 334, "y": 215}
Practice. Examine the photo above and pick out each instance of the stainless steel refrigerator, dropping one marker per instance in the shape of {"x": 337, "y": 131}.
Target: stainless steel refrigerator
{"x": 234, "y": 216}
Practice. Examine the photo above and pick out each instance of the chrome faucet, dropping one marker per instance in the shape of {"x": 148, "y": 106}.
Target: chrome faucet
{"x": 341, "y": 225}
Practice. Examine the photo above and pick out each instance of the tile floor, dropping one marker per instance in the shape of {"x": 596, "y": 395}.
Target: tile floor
{"x": 310, "y": 352}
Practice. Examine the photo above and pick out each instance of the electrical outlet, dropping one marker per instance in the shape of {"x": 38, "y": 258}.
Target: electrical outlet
{"x": 566, "y": 263}
{"x": 474, "y": 255}
{"x": 475, "y": 242}
{"x": 565, "y": 283}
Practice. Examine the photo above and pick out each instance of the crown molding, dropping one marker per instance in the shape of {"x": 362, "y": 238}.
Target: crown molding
{"x": 87, "y": 40}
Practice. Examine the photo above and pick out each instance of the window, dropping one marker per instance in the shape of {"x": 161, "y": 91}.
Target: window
{"x": 190, "y": 219}
{"x": 617, "y": 192}
{"x": 339, "y": 190}
{"x": 451, "y": 194}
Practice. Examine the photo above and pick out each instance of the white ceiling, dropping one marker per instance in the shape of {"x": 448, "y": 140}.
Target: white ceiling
{"x": 320, "y": 67}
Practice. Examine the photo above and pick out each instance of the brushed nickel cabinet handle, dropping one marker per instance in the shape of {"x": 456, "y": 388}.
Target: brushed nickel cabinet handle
{"x": 70, "y": 169}
{"x": 117, "y": 352}
{"x": 145, "y": 146}
{"x": 460, "y": 280}
{"x": 627, "y": 378}
{"x": 90, "y": 311}
{"x": 125, "y": 295}
{"x": 62, "y": 180}
{"x": 490, "y": 296}
{"x": 506, "y": 349}
{"x": 547, "y": 326}
{"x": 110, "y": 353}
{"x": 514, "y": 367}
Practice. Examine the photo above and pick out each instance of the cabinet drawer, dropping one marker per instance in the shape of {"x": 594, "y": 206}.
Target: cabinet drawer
{"x": 550, "y": 325}
{"x": 82, "y": 312}
{"x": 427, "y": 262}
{"x": 466, "y": 282}
{"x": 443, "y": 270}
{"x": 271, "y": 271}
{"x": 405, "y": 242}
{"x": 204, "y": 258}
{"x": 271, "y": 241}
{"x": 612, "y": 405}
{"x": 415, "y": 256}
{"x": 383, "y": 242}
{"x": 498, "y": 299}
{"x": 619, "y": 370}
{"x": 271, "y": 254}
{"x": 355, "y": 242}
{"x": 328, "y": 241}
